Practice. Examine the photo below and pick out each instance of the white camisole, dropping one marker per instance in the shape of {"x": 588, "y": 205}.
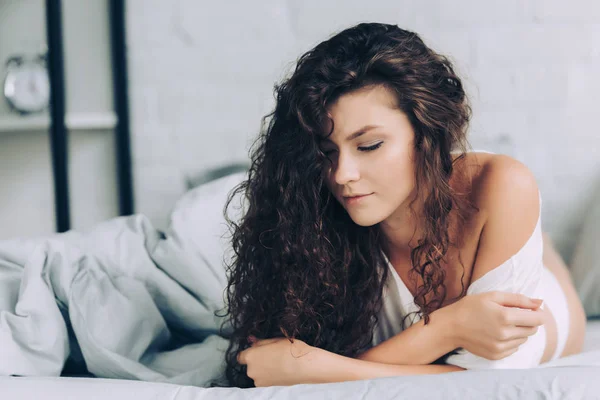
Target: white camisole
{"x": 523, "y": 273}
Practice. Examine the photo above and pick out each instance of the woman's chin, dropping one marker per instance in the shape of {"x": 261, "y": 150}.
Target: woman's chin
{"x": 365, "y": 220}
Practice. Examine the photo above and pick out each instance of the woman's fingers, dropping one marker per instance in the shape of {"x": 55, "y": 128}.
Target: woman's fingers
{"x": 501, "y": 350}
{"x": 521, "y": 317}
{"x": 516, "y": 300}
{"x": 241, "y": 357}
{"x": 511, "y": 344}
{"x": 520, "y": 333}
{"x": 506, "y": 353}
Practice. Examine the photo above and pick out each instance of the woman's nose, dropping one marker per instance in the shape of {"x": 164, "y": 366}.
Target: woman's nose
{"x": 346, "y": 170}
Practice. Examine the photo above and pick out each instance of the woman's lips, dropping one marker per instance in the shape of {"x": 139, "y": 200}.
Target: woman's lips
{"x": 356, "y": 200}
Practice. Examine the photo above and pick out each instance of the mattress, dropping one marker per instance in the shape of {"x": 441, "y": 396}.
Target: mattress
{"x": 572, "y": 377}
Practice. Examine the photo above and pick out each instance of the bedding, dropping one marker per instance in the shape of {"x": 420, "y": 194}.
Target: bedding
{"x": 128, "y": 302}
{"x": 592, "y": 335}
{"x": 578, "y": 381}
{"x": 123, "y": 300}
{"x": 585, "y": 264}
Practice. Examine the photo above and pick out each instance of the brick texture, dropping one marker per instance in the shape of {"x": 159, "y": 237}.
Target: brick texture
{"x": 202, "y": 77}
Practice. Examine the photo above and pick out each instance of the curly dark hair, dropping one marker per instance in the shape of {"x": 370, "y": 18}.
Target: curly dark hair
{"x": 301, "y": 268}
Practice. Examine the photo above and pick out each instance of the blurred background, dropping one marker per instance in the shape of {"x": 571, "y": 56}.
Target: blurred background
{"x": 199, "y": 77}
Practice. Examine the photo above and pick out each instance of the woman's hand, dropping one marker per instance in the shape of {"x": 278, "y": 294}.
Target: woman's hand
{"x": 494, "y": 324}
{"x": 277, "y": 362}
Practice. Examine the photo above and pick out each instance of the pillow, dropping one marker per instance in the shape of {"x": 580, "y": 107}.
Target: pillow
{"x": 197, "y": 222}
{"x": 585, "y": 264}
{"x": 200, "y": 178}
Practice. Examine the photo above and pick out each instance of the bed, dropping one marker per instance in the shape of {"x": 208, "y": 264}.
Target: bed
{"x": 579, "y": 380}
{"x": 138, "y": 305}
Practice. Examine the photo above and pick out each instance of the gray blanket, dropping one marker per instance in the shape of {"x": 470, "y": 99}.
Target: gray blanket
{"x": 123, "y": 300}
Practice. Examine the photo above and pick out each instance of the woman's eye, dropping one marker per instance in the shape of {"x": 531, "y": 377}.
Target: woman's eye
{"x": 371, "y": 148}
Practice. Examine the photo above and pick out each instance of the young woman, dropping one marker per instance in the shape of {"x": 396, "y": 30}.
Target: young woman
{"x": 374, "y": 244}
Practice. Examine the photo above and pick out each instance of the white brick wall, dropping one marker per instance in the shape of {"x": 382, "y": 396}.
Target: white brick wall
{"x": 202, "y": 75}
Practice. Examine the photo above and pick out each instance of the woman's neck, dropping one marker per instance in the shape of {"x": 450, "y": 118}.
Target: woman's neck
{"x": 403, "y": 230}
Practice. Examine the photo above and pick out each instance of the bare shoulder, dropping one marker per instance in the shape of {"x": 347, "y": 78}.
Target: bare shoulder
{"x": 508, "y": 198}
{"x": 504, "y": 179}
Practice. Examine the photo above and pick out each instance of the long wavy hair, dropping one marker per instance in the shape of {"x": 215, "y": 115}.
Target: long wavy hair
{"x": 301, "y": 268}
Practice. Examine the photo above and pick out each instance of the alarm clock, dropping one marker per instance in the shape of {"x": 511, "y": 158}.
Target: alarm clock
{"x": 27, "y": 84}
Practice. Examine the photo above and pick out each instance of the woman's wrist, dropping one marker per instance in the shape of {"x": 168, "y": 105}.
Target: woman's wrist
{"x": 450, "y": 317}
{"x": 420, "y": 344}
{"x": 323, "y": 367}
{"x": 331, "y": 367}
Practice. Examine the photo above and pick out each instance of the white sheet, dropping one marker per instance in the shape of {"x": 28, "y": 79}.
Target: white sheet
{"x": 576, "y": 377}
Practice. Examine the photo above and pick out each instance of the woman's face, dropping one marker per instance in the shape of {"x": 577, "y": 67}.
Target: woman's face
{"x": 371, "y": 153}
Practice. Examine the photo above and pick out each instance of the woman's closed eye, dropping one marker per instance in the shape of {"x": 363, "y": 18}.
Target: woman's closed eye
{"x": 371, "y": 148}
{"x": 327, "y": 152}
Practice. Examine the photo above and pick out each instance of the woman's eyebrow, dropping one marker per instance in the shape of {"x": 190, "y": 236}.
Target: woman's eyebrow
{"x": 362, "y": 131}
{"x": 356, "y": 134}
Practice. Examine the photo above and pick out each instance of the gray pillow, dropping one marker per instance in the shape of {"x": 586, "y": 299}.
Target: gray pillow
{"x": 197, "y": 223}
{"x": 585, "y": 264}
{"x": 200, "y": 178}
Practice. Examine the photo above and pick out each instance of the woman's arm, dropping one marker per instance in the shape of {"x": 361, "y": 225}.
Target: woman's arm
{"x": 511, "y": 205}
{"x": 491, "y": 325}
{"x": 330, "y": 367}
{"x": 511, "y": 239}
{"x": 279, "y": 362}
{"x": 419, "y": 344}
